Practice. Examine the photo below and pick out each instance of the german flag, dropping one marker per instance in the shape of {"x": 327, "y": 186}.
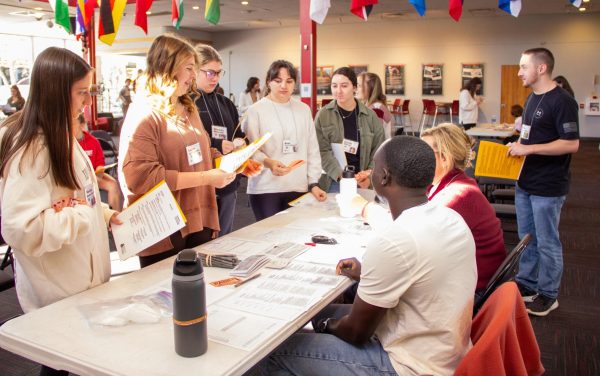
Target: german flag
{"x": 111, "y": 12}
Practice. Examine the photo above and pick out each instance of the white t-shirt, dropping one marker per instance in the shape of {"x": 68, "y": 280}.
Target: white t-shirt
{"x": 290, "y": 122}
{"x": 468, "y": 109}
{"x": 422, "y": 268}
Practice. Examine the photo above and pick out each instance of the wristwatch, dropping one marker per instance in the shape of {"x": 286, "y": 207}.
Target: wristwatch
{"x": 322, "y": 325}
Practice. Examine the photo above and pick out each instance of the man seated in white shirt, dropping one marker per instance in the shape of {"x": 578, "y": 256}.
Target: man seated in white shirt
{"x": 412, "y": 311}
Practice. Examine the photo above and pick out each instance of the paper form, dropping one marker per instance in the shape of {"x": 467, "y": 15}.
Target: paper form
{"x": 233, "y": 161}
{"x": 236, "y": 246}
{"x": 308, "y": 200}
{"x": 213, "y": 294}
{"x": 147, "y": 221}
{"x": 339, "y": 154}
{"x": 493, "y": 161}
{"x": 241, "y": 330}
{"x": 330, "y": 255}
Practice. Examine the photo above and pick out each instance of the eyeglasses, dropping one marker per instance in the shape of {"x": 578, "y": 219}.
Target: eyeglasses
{"x": 212, "y": 74}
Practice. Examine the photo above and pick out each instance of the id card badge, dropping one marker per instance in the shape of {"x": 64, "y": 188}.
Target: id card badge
{"x": 288, "y": 147}
{"x": 194, "y": 154}
{"x": 219, "y": 132}
{"x": 90, "y": 196}
{"x": 350, "y": 146}
{"x": 525, "y": 131}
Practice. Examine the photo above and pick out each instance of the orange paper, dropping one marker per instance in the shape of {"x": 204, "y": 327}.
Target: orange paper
{"x": 295, "y": 164}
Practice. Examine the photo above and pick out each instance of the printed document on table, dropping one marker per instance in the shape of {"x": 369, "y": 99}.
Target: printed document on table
{"x": 287, "y": 293}
{"x": 233, "y": 161}
{"x": 339, "y": 154}
{"x": 147, "y": 221}
{"x": 241, "y": 330}
{"x": 236, "y": 246}
{"x": 493, "y": 161}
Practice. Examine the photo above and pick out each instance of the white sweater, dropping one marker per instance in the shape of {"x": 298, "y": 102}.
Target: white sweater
{"x": 468, "y": 111}
{"x": 267, "y": 116}
{"x": 57, "y": 254}
{"x": 246, "y": 101}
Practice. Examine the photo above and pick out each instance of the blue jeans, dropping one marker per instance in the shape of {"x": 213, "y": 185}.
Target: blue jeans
{"x": 541, "y": 265}
{"x": 334, "y": 187}
{"x": 326, "y": 354}
{"x": 226, "y": 205}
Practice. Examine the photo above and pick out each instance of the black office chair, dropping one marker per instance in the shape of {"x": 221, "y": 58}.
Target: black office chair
{"x": 505, "y": 272}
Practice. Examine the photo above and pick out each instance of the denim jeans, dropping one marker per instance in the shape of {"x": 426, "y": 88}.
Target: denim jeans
{"x": 334, "y": 187}
{"x": 541, "y": 265}
{"x": 226, "y": 205}
{"x": 326, "y": 354}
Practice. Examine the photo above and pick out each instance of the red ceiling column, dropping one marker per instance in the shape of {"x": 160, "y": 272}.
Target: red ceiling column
{"x": 91, "y": 44}
{"x": 308, "y": 57}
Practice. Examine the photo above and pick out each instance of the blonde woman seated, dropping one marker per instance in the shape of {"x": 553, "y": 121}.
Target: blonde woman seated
{"x": 454, "y": 189}
{"x": 370, "y": 92}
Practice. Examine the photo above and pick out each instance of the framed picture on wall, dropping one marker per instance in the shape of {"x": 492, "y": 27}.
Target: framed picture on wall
{"x": 394, "y": 79}
{"x": 433, "y": 79}
{"x": 470, "y": 71}
{"x": 324, "y": 74}
{"x": 359, "y": 68}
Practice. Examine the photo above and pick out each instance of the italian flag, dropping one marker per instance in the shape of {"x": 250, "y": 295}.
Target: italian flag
{"x": 176, "y": 12}
{"x": 61, "y": 13}
{"x": 212, "y": 12}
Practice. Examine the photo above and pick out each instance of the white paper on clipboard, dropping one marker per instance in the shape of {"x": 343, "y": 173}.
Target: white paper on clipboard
{"x": 147, "y": 221}
{"x": 339, "y": 154}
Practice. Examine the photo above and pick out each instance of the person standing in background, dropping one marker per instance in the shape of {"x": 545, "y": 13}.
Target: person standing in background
{"x": 220, "y": 119}
{"x": 249, "y": 96}
{"x": 348, "y": 123}
{"x": 469, "y": 101}
{"x": 562, "y": 82}
{"x": 163, "y": 139}
{"x": 15, "y": 102}
{"x": 370, "y": 92}
{"x": 293, "y": 139}
{"x": 125, "y": 97}
{"x": 549, "y": 136}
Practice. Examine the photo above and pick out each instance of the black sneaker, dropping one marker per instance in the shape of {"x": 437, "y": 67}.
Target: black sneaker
{"x": 527, "y": 294}
{"x": 542, "y": 305}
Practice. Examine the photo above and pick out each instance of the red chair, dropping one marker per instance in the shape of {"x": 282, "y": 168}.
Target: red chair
{"x": 454, "y": 112}
{"x": 378, "y": 112}
{"x": 429, "y": 109}
{"x": 325, "y": 102}
{"x": 503, "y": 340}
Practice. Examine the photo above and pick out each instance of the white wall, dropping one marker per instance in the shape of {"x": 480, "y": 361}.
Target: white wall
{"x": 495, "y": 41}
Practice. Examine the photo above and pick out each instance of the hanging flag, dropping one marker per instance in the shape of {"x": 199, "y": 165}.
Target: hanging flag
{"x": 419, "y": 6}
{"x": 212, "y": 12}
{"x": 61, "y": 13}
{"x": 177, "y": 13}
{"x": 362, "y": 8}
{"x": 79, "y": 22}
{"x": 111, "y": 12}
{"x": 86, "y": 9}
{"x": 141, "y": 18}
{"x": 455, "y": 9}
{"x": 512, "y": 7}
{"x": 319, "y": 9}
{"x": 576, "y": 3}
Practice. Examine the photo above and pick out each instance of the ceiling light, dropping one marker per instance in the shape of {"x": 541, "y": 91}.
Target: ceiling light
{"x": 582, "y": 9}
{"x": 244, "y": 3}
{"x": 195, "y": 7}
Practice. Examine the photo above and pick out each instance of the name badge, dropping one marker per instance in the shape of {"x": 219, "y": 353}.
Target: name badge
{"x": 525, "y": 131}
{"x": 194, "y": 154}
{"x": 90, "y": 196}
{"x": 350, "y": 146}
{"x": 288, "y": 147}
{"x": 219, "y": 132}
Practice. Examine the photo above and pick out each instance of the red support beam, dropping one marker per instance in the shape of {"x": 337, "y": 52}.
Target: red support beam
{"x": 91, "y": 48}
{"x": 308, "y": 57}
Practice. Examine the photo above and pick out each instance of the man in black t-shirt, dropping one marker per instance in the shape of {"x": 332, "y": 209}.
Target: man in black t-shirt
{"x": 549, "y": 135}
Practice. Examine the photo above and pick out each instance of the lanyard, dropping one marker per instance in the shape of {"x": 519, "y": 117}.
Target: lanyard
{"x": 281, "y": 123}
{"x": 534, "y": 111}
{"x": 208, "y": 110}
{"x": 191, "y": 128}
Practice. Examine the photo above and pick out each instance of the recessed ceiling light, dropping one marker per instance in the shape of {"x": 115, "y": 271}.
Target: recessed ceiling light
{"x": 244, "y": 3}
{"x": 195, "y": 7}
{"x": 582, "y": 9}
{"x": 149, "y": 12}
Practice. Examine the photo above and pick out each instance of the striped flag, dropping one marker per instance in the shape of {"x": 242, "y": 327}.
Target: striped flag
{"x": 84, "y": 13}
{"x": 419, "y": 6}
{"x": 141, "y": 18}
{"x": 176, "y": 13}
{"x": 362, "y": 8}
{"x": 455, "y": 9}
{"x": 576, "y": 3}
{"x": 512, "y": 7}
{"x": 111, "y": 12}
{"x": 212, "y": 12}
{"x": 61, "y": 13}
{"x": 319, "y": 9}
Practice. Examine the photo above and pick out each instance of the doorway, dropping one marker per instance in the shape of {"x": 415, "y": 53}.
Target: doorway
{"x": 512, "y": 92}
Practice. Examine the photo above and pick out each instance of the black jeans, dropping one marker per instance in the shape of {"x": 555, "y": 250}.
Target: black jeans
{"x": 179, "y": 244}
{"x": 265, "y": 205}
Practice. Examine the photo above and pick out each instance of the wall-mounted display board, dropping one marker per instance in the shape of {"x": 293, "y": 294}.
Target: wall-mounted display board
{"x": 471, "y": 71}
{"x": 394, "y": 79}
{"x": 433, "y": 80}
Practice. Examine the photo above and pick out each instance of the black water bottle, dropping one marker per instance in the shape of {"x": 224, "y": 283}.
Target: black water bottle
{"x": 189, "y": 305}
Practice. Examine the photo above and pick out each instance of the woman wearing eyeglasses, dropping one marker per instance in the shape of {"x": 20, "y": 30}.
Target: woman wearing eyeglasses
{"x": 220, "y": 119}
{"x": 293, "y": 139}
{"x": 163, "y": 139}
{"x": 348, "y": 124}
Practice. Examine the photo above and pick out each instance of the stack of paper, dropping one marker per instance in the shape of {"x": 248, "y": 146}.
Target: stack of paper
{"x": 250, "y": 265}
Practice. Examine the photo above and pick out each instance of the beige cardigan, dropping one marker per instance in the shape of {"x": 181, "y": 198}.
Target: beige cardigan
{"x": 151, "y": 150}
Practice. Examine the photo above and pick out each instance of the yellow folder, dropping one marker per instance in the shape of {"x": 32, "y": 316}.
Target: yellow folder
{"x": 493, "y": 161}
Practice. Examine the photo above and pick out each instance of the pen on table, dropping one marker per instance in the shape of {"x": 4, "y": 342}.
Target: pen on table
{"x": 247, "y": 279}
{"x": 311, "y": 244}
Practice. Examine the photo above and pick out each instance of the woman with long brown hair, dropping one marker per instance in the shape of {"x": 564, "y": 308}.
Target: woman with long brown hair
{"x": 51, "y": 211}
{"x": 163, "y": 139}
{"x": 469, "y": 101}
{"x": 16, "y": 100}
{"x": 370, "y": 92}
